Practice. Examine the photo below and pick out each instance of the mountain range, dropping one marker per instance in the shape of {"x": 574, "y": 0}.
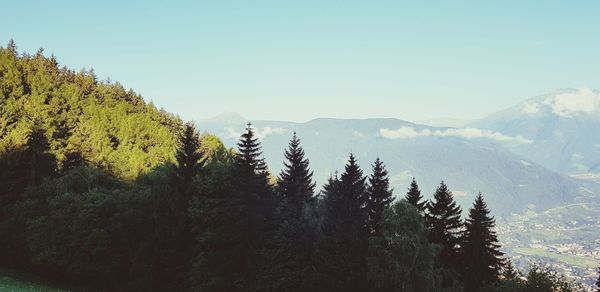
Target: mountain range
{"x": 528, "y": 157}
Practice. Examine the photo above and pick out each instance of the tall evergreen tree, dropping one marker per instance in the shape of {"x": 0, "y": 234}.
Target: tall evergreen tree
{"x": 254, "y": 198}
{"x": 188, "y": 155}
{"x": 295, "y": 184}
{"x": 345, "y": 237}
{"x": 414, "y": 196}
{"x": 249, "y": 160}
{"x": 482, "y": 258}
{"x": 172, "y": 219}
{"x": 444, "y": 222}
{"x": 379, "y": 197}
{"x": 291, "y": 248}
{"x": 234, "y": 222}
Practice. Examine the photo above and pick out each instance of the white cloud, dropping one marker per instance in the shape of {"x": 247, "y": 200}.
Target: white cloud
{"x": 566, "y": 104}
{"x": 467, "y": 133}
{"x": 460, "y": 193}
{"x": 261, "y": 133}
{"x": 266, "y": 131}
{"x": 402, "y": 133}
{"x": 583, "y": 100}
{"x": 525, "y": 163}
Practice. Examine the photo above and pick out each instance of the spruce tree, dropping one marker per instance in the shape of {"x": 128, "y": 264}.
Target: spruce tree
{"x": 188, "y": 156}
{"x": 379, "y": 197}
{"x": 414, "y": 196}
{"x": 295, "y": 184}
{"x": 234, "y": 222}
{"x": 249, "y": 159}
{"x": 254, "y": 199}
{"x": 482, "y": 258}
{"x": 292, "y": 246}
{"x": 444, "y": 222}
{"x": 345, "y": 237}
{"x": 173, "y": 219}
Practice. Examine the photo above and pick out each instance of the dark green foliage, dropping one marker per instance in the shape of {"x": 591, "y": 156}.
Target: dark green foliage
{"x": 62, "y": 226}
{"x": 379, "y": 197}
{"x": 344, "y": 246}
{"x": 291, "y": 247}
{"x": 403, "y": 259}
{"x": 213, "y": 214}
{"x": 510, "y": 279}
{"x": 444, "y": 222}
{"x": 294, "y": 184}
{"x": 26, "y": 166}
{"x": 482, "y": 259}
{"x": 234, "y": 221}
{"x": 414, "y": 197}
{"x": 544, "y": 279}
{"x": 188, "y": 155}
{"x": 248, "y": 160}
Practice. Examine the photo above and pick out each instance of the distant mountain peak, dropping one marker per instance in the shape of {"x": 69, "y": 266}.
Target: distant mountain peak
{"x": 565, "y": 103}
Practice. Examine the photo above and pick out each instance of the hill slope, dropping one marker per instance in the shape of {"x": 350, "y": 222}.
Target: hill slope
{"x": 564, "y": 128}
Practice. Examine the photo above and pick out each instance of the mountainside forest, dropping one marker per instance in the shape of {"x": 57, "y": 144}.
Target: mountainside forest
{"x": 101, "y": 190}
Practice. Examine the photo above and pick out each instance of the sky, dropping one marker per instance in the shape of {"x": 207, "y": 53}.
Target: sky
{"x": 299, "y": 60}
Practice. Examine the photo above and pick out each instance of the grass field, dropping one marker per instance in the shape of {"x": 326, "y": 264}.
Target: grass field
{"x": 580, "y": 261}
{"x": 8, "y": 284}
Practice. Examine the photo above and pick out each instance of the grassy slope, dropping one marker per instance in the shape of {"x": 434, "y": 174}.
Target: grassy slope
{"x": 11, "y": 281}
{"x": 10, "y": 284}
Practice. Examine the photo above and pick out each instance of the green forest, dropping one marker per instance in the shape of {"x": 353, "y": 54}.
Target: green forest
{"x": 101, "y": 190}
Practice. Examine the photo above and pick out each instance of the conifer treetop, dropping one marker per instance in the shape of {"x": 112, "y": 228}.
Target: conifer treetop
{"x": 250, "y": 154}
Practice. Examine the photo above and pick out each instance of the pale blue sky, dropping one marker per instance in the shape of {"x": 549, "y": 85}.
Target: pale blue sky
{"x": 297, "y": 60}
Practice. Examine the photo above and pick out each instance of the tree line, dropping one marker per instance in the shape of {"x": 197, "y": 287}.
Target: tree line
{"x": 100, "y": 189}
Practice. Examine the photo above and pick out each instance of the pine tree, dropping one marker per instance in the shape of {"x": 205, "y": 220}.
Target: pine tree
{"x": 234, "y": 222}
{"x": 480, "y": 249}
{"x": 414, "y": 197}
{"x": 188, "y": 155}
{"x": 292, "y": 246}
{"x": 173, "y": 220}
{"x": 444, "y": 222}
{"x": 249, "y": 161}
{"x": 379, "y": 197}
{"x": 255, "y": 200}
{"x": 295, "y": 184}
{"x": 344, "y": 245}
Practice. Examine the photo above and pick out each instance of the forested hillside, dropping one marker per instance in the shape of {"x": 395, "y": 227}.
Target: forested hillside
{"x": 99, "y": 189}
